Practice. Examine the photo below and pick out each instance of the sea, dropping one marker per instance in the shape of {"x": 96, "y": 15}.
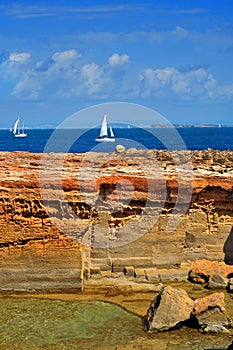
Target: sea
{"x": 57, "y": 323}
{"x": 83, "y": 140}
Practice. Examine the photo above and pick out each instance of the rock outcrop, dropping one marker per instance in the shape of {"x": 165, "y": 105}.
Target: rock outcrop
{"x": 65, "y": 218}
{"x": 173, "y": 308}
{"x": 169, "y": 310}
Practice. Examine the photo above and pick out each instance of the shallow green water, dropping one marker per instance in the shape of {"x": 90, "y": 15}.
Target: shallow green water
{"x": 55, "y": 324}
{"x": 48, "y": 324}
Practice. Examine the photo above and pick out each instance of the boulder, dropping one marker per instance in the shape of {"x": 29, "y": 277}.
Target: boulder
{"x": 217, "y": 281}
{"x": 168, "y": 310}
{"x": 203, "y": 269}
{"x": 120, "y": 149}
{"x": 210, "y": 313}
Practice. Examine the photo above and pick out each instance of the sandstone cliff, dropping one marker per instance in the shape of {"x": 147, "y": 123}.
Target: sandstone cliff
{"x": 65, "y": 218}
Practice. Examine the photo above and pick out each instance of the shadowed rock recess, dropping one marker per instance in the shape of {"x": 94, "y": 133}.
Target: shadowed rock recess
{"x": 55, "y": 239}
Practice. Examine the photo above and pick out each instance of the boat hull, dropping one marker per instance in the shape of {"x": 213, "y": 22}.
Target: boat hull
{"x": 105, "y": 139}
{"x": 20, "y": 135}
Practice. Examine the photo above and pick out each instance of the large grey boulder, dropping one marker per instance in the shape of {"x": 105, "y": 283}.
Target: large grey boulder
{"x": 168, "y": 310}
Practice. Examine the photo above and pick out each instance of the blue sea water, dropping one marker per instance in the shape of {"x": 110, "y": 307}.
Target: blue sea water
{"x": 80, "y": 140}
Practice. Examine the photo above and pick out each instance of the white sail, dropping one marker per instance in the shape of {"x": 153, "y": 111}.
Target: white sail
{"x": 16, "y": 126}
{"x": 17, "y": 131}
{"x": 111, "y": 132}
{"x": 104, "y": 127}
{"x": 103, "y": 136}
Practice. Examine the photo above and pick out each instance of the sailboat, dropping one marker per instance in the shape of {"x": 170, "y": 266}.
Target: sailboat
{"x": 17, "y": 130}
{"x": 104, "y": 136}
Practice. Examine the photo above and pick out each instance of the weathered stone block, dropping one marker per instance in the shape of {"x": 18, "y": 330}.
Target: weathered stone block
{"x": 168, "y": 310}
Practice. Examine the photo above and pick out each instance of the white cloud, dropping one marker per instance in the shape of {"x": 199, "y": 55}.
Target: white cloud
{"x": 27, "y": 86}
{"x": 65, "y": 56}
{"x": 188, "y": 84}
{"x": 66, "y": 74}
{"x": 23, "y": 10}
{"x": 14, "y": 66}
{"x": 93, "y": 77}
{"x": 118, "y": 60}
{"x": 165, "y": 75}
{"x": 19, "y": 57}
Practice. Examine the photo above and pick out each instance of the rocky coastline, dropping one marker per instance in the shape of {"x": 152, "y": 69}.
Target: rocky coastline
{"x": 52, "y": 211}
{"x": 167, "y": 219}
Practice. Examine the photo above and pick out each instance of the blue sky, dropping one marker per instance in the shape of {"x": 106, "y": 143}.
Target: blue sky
{"x": 58, "y": 57}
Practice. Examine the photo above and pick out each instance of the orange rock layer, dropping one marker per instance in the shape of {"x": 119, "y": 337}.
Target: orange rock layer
{"x": 67, "y": 217}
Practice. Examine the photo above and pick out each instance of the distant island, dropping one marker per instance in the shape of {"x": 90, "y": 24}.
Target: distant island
{"x": 190, "y": 125}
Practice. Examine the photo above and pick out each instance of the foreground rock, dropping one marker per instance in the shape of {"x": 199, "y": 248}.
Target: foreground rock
{"x": 168, "y": 310}
{"x": 172, "y": 308}
{"x": 211, "y": 314}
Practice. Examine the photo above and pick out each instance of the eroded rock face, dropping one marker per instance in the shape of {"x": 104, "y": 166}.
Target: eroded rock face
{"x": 169, "y": 309}
{"x": 59, "y": 234}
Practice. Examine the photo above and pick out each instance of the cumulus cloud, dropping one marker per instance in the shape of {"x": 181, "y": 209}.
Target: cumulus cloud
{"x": 93, "y": 77}
{"x": 106, "y": 79}
{"x": 66, "y": 74}
{"x": 65, "y": 56}
{"x": 49, "y": 78}
{"x": 59, "y": 60}
{"x": 14, "y": 65}
{"x": 118, "y": 60}
{"x": 19, "y": 57}
{"x": 196, "y": 82}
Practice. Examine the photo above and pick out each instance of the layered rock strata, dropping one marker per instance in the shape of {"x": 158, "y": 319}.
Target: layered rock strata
{"x": 144, "y": 215}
